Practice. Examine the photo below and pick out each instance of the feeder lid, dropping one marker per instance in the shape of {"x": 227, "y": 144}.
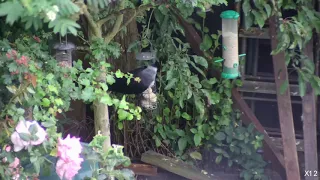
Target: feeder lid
{"x": 145, "y": 56}
{"x": 229, "y": 14}
{"x": 64, "y": 46}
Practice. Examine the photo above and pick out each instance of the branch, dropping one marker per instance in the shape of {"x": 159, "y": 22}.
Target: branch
{"x": 92, "y": 24}
{"x": 116, "y": 26}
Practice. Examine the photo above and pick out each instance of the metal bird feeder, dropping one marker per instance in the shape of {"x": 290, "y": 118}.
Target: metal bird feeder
{"x": 63, "y": 52}
{"x": 230, "y": 44}
{"x": 148, "y": 99}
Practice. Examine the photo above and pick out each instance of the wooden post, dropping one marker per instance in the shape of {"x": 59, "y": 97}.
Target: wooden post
{"x": 284, "y": 108}
{"x": 310, "y": 123}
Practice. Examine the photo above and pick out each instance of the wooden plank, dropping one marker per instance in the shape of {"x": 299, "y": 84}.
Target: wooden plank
{"x": 255, "y": 33}
{"x": 265, "y": 88}
{"x": 271, "y": 153}
{"x": 284, "y": 108}
{"x": 278, "y": 143}
{"x": 175, "y": 166}
{"x": 309, "y": 122}
{"x": 141, "y": 169}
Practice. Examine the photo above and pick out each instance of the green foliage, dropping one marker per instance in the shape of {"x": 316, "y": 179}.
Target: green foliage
{"x": 293, "y": 34}
{"x": 108, "y": 160}
{"x": 35, "y": 13}
{"x": 239, "y": 144}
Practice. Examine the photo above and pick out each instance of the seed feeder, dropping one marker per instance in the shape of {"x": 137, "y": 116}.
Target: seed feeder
{"x": 230, "y": 45}
{"x": 148, "y": 99}
{"x": 63, "y": 52}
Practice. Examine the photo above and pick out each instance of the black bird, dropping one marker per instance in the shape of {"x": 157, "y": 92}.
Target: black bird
{"x": 147, "y": 75}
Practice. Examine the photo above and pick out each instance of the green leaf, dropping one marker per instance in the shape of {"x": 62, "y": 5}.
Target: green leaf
{"x": 218, "y": 159}
{"x": 193, "y": 130}
{"x": 33, "y": 129}
{"x": 58, "y": 102}
{"x": 200, "y": 60}
{"x": 30, "y": 90}
{"x": 186, "y": 116}
{"x": 268, "y": 9}
{"x": 182, "y": 143}
{"x": 171, "y": 83}
{"x": 196, "y": 155}
{"x": 180, "y": 132}
{"x": 12, "y": 9}
{"x": 110, "y": 79}
{"x": 87, "y": 94}
{"x": 53, "y": 89}
{"x": 25, "y": 136}
{"x": 302, "y": 85}
{"x": 207, "y": 43}
{"x": 48, "y": 124}
{"x": 120, "y": 125}
{"x": 45, "y": 102}
{"x": 106, "y": 99}
{"x": 220, "y": 136}
{"x": 284, "y": 86}
{"x": 197, "y": 139}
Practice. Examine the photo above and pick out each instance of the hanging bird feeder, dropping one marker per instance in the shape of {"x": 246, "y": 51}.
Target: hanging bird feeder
{"x": 148, "y": 99}
{"x": 230, "y": 44}
{"x": 63, "y": 52}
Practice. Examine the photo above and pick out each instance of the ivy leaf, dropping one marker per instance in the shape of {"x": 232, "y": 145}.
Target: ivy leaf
{"x": 200, "y": 60}
{"x": 197, "y": 139}
{"x": 110, "y": 79}
{"x": 87, "y": 93}
{"x": 284, "y": 87}
{"x": 106, "y": 99}
{"x": 182, "y": 143}
{"x": 196, "y": 155}
{"x": 207, "y": 43}
{"x": 45, "y": 102}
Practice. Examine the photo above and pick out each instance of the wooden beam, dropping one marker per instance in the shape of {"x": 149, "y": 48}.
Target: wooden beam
{"x": 175, "y": 166}
{"x": 141, "y": 169}
{"x": 278, "y": 143}
{"x": 265, "y": 88}
{"x": 271, "y": 153}
{"x": 255, "y": 33}
{"x": 309, "y": 122}
{"x": 284, "y": 107}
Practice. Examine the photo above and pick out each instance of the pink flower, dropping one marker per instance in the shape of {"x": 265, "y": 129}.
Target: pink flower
{"x": 8, "y": 148}
{"x": 15, "y": 163}
{"x": 69, "y": 148}
{"x": 69, "y": 162}
{"x": 23, "y": 127}
{"x": 68, "y": 169}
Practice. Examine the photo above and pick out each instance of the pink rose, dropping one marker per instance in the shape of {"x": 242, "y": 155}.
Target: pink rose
{"x": 69, "y": 148}
{"x": 69, "y": 162}
{"x": 23, "y": 127}
{"x": 68, "y": 169}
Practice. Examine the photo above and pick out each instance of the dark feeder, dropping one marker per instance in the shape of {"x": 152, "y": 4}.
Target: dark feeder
{"x": 63, "y": 53}
{"x": 147, "y": 99}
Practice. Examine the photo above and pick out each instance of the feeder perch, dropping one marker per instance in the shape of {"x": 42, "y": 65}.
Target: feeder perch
{"x": 148, "y": 99}
{"x": 230, "y": 44}
{"x": 63, "y": 53}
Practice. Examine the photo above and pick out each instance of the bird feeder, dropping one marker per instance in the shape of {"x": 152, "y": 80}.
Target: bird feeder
{"x": 63, "y": 53}
{"x": 148, "y": 99}
{"x": 230, "y": 44}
